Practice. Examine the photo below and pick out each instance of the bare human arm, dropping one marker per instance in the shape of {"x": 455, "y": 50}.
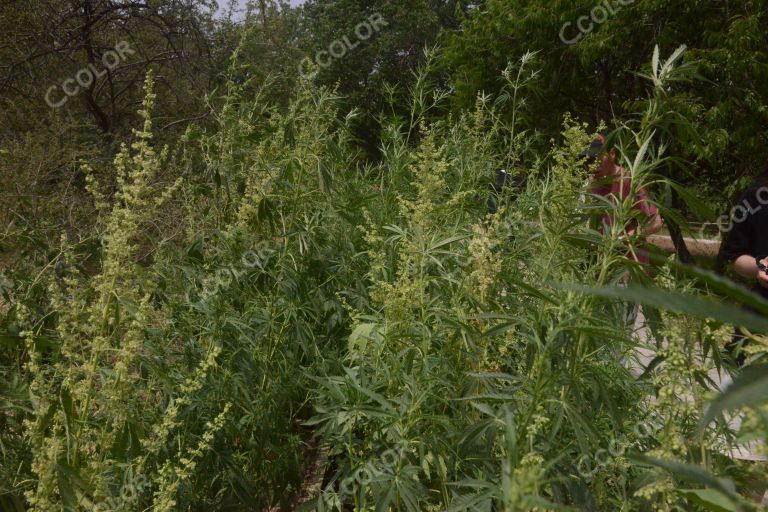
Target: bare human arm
{"x": 746, "y": 266}
{"x": 654, "y": 221}
{"x": 654, "y": 226}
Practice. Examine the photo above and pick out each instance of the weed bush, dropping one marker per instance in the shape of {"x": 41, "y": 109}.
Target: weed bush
{"x": 444, "y": 357}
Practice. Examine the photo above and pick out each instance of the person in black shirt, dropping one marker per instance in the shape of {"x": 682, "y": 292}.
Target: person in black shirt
{"x": 746, "y": 245}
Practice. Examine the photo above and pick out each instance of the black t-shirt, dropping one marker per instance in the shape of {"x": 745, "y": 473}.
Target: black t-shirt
{"x": 748, "y": 228}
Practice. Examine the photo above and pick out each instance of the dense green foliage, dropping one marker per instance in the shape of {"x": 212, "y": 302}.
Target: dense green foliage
{"x": 306, "y": 283}
{"x": 594, "y": 74}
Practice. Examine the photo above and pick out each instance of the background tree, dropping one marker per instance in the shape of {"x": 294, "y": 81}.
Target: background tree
{"x": 390, "y": 57}
{"x": 100, "y": 51}
{"x": 593, "y": 74}
{"x": 51, "y": 41}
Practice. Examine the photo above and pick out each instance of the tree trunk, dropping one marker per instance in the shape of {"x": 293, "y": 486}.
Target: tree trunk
{"x": 675, "y": 233}
{"x": 681, "y": 249}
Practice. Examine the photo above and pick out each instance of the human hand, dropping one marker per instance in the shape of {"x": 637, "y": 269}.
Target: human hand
{"x": 762, "y": 275}
{"x": 629, "y": 233}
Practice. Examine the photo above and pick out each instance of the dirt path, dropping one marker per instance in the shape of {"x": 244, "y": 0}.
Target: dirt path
{"x": 696, "y": 246}
{"x": 316, "y": 460}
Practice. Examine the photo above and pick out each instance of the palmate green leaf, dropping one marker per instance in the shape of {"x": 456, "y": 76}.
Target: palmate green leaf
{"x": 641, "y": 153}
{"x": 679, "y": 303}
{"x": 605, "y": 333}
{"x": 447, "y": 241}
{"x": 352, "y": 380}
{"x": 501, "y": 328}
{"x": 750, "y": 387}
{"x": 12, "y": 503}
{"x": 697, "y": 206}
{"x": 401, "y": 488}
{"x": 671, "y": 62}
{"x": 486, "y": 396}
{"x": 480, "y": 502}
{"x": 324, "y": 177}
{"x": 495, "y": 375}
{"x": 478, "y": 430}
{"x": 719, "y": 284}
{"x": 655, "y": 62}
{"x": 14, "y": 393}
{"x": 72, "y": 487}
{"x": 530, "y": 290}
{"x": 691, "y": 473}
{"x": 484, "y": 408}
{"x": 709, "y": 499}
{"x": 10, "y": 341}
{"x": 584, "y": 431}
{"x": 361, "y": 335}
{"x": 670, "y": 215}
